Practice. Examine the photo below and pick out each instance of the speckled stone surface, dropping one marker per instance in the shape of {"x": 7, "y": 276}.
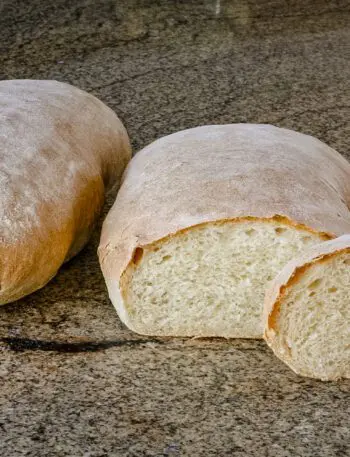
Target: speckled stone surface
{"x": 74, "y": 381}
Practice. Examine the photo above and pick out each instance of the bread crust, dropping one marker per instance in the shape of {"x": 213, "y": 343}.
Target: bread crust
{"x": 61, "y": 150}
{"x": 222, "y": 173}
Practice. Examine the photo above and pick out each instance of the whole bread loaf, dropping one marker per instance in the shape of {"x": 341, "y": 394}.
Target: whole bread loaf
{"x": 60, "y": 150}
{"x": 307, "y": 311}
{"x": 206, "y": 217}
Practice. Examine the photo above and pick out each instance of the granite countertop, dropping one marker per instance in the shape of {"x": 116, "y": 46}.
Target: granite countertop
{"x": 74, "y": 381}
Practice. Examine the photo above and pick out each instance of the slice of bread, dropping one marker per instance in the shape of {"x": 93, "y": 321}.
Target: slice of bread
{"x": 307, "y": 312}
{"x": 206, "y": 217}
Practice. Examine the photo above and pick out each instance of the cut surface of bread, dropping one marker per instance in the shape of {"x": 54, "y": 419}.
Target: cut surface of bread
{"x": 308, "y": 321}
{"x": 207, "y": 216}
{"x": 210, "y": 280}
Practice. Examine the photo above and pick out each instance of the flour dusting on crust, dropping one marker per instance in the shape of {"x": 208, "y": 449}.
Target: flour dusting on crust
{"x": 60, "y": 150}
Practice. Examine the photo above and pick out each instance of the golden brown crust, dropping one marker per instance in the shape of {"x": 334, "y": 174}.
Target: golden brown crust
{"x": 61, "y": 150}
{"x": 139, "y": 250}
{"x": 236, "y": 220}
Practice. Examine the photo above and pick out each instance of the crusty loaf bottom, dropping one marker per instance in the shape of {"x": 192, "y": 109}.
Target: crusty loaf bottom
{"x": 209, "y": 280}
{"x": 307, "y": 325}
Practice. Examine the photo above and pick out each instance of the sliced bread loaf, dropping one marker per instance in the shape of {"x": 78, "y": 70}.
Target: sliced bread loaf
{"x": 206, "y": 217}
{"x": 307, "y": 312}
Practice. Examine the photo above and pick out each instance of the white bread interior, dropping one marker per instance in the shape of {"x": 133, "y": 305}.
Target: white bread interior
{"x": 308, "y": 312}
{"x": 210, "y": 280}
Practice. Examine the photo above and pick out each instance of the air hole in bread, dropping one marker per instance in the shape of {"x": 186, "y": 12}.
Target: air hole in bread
{"x": 280, "y": 230}
{"x": 250, "y": 232}
{"x": 306, "y": 238}
{"x": 315, "y": 284}
{"x": 332, "y": 289}
{"x": 311, "y": 294}
{"x": 138, "y": 254}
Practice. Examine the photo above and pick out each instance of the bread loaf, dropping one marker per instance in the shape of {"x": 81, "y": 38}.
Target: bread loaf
{"x": 60, "y": 150}
{"x": 206, "y": 217}
{"x": 307, "y": 312}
